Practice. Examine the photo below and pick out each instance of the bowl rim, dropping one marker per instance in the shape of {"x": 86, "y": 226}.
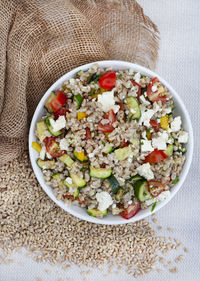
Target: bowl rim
{"x": 115, "y": 64}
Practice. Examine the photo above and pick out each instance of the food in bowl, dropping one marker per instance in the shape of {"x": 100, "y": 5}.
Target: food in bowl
{"x": 109, "y": 142}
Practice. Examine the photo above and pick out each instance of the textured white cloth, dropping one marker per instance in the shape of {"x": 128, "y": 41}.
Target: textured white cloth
{"x": 179, "y": 63}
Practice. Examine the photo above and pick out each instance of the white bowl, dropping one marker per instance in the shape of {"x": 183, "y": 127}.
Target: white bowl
{"x": 81, "y": 212}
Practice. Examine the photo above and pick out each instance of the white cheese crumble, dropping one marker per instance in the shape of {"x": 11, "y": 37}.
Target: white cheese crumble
{"x": 104, "y": 199}
{"x": 167, "y": 110}
{"x": 183, "y": 137}
{"x": 144, "y": 135}
{"x": 154, "y": 88}
{"x": 145, "y": 171}
{"x": 64, "y": 144}
{"x": 48, "y": 156}
{"x": 156, "y": 107}
{"x": 137, "y": 77}
{"x": 146, "y": 116}
{"x": 146, "y": 145}
{"x": 114, "y": 206}
{"x": 59, "y": 124}
{"x": 91, "y": 155}
{"x": 43, "y": 152}
{"x": 107, "y": 101}
{"x": 176, "y": 124}
{"x": 132, "y": 110}
{"x": 144, "y": 101}
{"x": 68, "y": 180}
{"x": 159, "y": 143}
{"x": 161, "y": 197}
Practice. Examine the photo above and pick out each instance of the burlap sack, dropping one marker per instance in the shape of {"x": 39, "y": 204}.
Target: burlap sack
{"x": 40, "y": 40}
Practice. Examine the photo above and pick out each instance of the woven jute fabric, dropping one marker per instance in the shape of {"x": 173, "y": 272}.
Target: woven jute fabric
{"x": 40, "y": 40}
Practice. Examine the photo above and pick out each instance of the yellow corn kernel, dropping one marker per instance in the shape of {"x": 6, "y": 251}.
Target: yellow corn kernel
{"x": 81, "y": 115}
{"x": 80, "y": 155}
{"x": 164, "y": 122}
{"x": 36, "y": 146}
{"x": 148, "y": 134}
{"x": 100, "y": 91}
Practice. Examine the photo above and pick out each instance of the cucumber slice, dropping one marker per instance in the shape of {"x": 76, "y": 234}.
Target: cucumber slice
{"x": 100, "y": 173}
{"x": 123, "y": 153}
{"x": 141, "y": 190}
{"x": 45, "y": 164}
{"x": 56, "y": 176}
{"x": 119, "y": 194}
{"x": 114, "y": 184}
{"x": 108, "y": 148}
{"x": 47, "y": 104}
{"x": 135, "y": 178}
{"x": 96, "y": 213}
{"x": 169, "y": 150}
{"x": 79, "y": 73}
{"x": 50, "y": 128}
{"x": 80, "y": 156}
{"x": 133, "y": 104}
{"x": 67, "y": 160}
{"x": 41, "y": 128}
{"x": 79, "y": 99}
{"x": 78, "y": 181}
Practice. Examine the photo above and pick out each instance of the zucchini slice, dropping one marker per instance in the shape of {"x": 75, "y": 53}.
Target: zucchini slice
{"x": 72, "y": 188}
{"x": 123, "y": 153}
{"x": 119, "y": 194}
{"x": 67, "y": 160}
{"x": 134, "y": 108}
{"x": 100, "y": 173}
{"x": 141, "y": 190}
{"x": 78, "y": 181}
{"x": 45, "y": 164}
{"x": 114, "y": 183}
{"x": 135, "y": 178}
{"x": 108, "y": 148}
{"x": 41, "y": 128}
{"x": 50, "y": 128}
{"x": 56, "y": 177}
{"x": 169, "y": 150}
{"x": 47, "y": 104}
{"x": 96, "y": 213}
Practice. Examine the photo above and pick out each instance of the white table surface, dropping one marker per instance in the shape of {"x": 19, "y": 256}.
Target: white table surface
{"x": 179, "y": 63}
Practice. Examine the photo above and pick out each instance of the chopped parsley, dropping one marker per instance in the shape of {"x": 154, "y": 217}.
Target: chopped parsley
{"x": 142, "y": 143}
{"x": 175, "y": 181}
{"x": 120, "y": 76}
{"x": 153, "y": 206}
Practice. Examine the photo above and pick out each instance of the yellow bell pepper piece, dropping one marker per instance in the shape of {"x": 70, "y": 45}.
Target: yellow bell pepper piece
{"x": 36, "y": 146}
{"x": 164, "y": 122}
{"x": 81, "y": 115}
{"x": 148, "y": 134}
{"x": 80, "y": 155}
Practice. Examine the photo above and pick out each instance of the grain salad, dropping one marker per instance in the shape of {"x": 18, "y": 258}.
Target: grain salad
{"x": 109, "y": 142}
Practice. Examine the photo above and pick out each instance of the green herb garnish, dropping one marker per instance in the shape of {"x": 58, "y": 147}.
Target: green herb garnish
{"x": 153, "y": 206}
{"x": 120, "y": 76}
{"x": 175, "y": 181}
{"x": 173, "y": 107}
{"x": 92, "y": 92}
{"x": 103, "y": 143}
{"x": 83, "y": 169}
{"x": 79, "y": 73}
{"x": 92, "y": 78}
{"x": 142, "y": 143}
{"x": 143, "y": 90}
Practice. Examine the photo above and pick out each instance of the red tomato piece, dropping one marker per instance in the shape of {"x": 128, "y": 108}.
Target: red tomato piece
{"x": 124, "y": 144}
{"x": 156, "y": 187}
{"x": 107, "y": 80}
{"x": 81, "y": 202}
{"x": 58, "y": 101}
{"x": 68, "y": 196}
{"x": 88, "y": 134}
{"x": 155, "y": 96}
{"x": 107, "y": 128}
{"x": 121, "y": 105}
{"x": 131, "y": 211}
{"x": 139, "y": 89}
{"x": 52, "y": 147}
{"x": 155, "y": 125}
{"x": 61, "y": 112}
{"x": 155, "y": 156}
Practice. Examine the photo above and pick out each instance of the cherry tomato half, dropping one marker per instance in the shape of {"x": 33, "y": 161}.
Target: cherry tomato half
{"x": 124, "y": 144}
{"x": 61, "y": 112}
{"x": 107, "y": 80}
{"x": 131, "y": 211}
{"x": 155, "y": 156}
{"x": 52, "y": 147}
{"x": 88, "y": 134}
{"x": 156, "y": 187}
{"x": 58, "y": 101}
{"x": 155, "y": 96}
{"x": 107, "y": 128}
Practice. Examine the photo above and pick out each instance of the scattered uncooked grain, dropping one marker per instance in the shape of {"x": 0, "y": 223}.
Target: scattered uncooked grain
{"x": 155, "y": 220}
{"x": 173, "y": 270}
{"x": 185, "y": 250}
{"x": 57, "y": 237}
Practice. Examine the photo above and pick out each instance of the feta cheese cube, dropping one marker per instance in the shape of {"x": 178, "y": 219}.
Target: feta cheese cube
{"x": 64, "y": 144}
{"x": 145, "y": 171}
{"x": 137, "y": 77}
{"x": 59, "y": 124}
{"x": 107, "y": 101}
{"x": 104, "y": 199}
{"x": 159, "y": 198}
{"x": 154, "y": 88}
{"x": 146, "y": 145}
{"x": 176, "y": 124}
{"x": 144, "y": 101}
{"x": 43, "y": 152}
{"x": 146, "y": 116}
{"x": 159, "y": 143}
{"x": 68, "y": 180}
{"x": 183, "y": 137}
